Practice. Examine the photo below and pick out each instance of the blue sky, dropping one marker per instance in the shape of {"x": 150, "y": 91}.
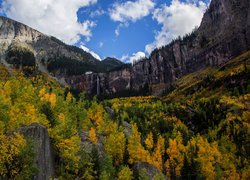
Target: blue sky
{"x": 126, "y": 30}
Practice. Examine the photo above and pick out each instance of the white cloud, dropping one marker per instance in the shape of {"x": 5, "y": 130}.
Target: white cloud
{"x": 125, "y": 58}
{"x": 121, "y": 25}
{"x": 117, "y": 31}
{"x": 91, "y": 52}
{"x": 133, "y": 58}
{"x": 53, "y": 17}
{"x": 96, "y": 13}
{"x": 177, "y": 19}
{"x": 130, "y": 11}
{"x": 137, "y": 56}
{"x": 101, "y": 44}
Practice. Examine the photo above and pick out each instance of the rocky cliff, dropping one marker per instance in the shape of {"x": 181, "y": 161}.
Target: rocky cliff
{"x": 223, "y": 34}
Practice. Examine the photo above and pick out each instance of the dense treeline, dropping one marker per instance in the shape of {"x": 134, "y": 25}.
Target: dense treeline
{"x": 20, "y": 57}
{"x": 188, "y": 134}
{"x": 75, "y": 67}
{"x": 69, "y": 66}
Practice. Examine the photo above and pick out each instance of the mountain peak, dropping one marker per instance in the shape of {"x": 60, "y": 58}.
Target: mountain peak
{"x": 13, "y": 30}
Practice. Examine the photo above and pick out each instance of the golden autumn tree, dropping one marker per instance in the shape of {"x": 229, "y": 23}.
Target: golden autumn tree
{"x": 149, "y": 141}
{"x": 95, "y": 115}
{"x": 115, "y": 146}
{"x": 175, "y": 152}
{"x": 125, "y": 174}
{"x": 93, "y": 136}
{"x": 135, "y": 149}
{"x": 47, "y": 97}
{"x": 10, "y": 148}
{"x": 22, "y": 114}
{"x": 69, "y": 149}
{"x": 159, "y": 151}
{"x": 205, "y": 154}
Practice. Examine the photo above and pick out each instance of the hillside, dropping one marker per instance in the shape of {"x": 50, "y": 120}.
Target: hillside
{"x": 50, "y": 54}
{"x": 198, "y": 129}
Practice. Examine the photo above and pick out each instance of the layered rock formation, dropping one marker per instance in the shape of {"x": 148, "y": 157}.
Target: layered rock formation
{"x": 223, "y": 34}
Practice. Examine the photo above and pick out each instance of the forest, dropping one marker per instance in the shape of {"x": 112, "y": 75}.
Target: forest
{"x": 198, "y": 129}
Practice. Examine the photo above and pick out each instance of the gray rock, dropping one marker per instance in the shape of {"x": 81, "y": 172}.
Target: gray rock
{"x": 44, "y": 158}
{"x": 127, "y": 129}
{"x": 88, "y": 146}
{"x": 110, "y": 111}
{"x": 150, "y": 171}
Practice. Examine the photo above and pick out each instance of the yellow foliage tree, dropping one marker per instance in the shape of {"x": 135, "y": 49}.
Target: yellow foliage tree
{"x": 22, "y": 114}
{"x": 175, "y": 152}
{"x": 159, "y": 151}
{"x": 69, "y": 98}
{"x": 207, "y": 155}
{"x": 115, "y": 146}
{"x": 125, "y": 174}
{"x": 135, "y": 149}
{"x": 69, "y": 149}
{"x": 10, "y": 148}
{"x": 96, "y": 114}
{"x": 47, "y": 97}
{"x": 149, "y": 141}
{"x": 92, "y": 136}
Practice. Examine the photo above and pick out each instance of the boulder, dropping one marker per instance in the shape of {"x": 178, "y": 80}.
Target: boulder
{"x": 148, "y": 170}
{"x": 44, "y": 158}
{"x": 88, "y": 146}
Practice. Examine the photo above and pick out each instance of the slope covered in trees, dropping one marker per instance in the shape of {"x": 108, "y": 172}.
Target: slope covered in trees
{"x": 198, "y": 129}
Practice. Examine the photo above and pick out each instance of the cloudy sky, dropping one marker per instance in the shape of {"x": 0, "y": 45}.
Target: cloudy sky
{"x": 126, "y": 30}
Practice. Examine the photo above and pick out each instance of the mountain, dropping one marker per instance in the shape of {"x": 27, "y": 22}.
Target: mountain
{"x": 111, "y": 63}
{"x": 223, "y": 34}
{"x": 51, "y": 55}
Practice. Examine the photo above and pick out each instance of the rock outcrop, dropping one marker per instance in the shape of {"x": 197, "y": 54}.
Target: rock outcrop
{"x": 147, "y": 171}
{"x": 89, "y": 146}
{"x": 44, "y": 158}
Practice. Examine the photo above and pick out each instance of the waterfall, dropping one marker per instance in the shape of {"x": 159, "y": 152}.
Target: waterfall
{"x": 98, "y": 86}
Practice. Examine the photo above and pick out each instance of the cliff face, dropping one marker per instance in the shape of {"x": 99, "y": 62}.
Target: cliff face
{"x": 11, "y": 30}
{"x": 223, "y": 34}
{"x": 102, "y": 83}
